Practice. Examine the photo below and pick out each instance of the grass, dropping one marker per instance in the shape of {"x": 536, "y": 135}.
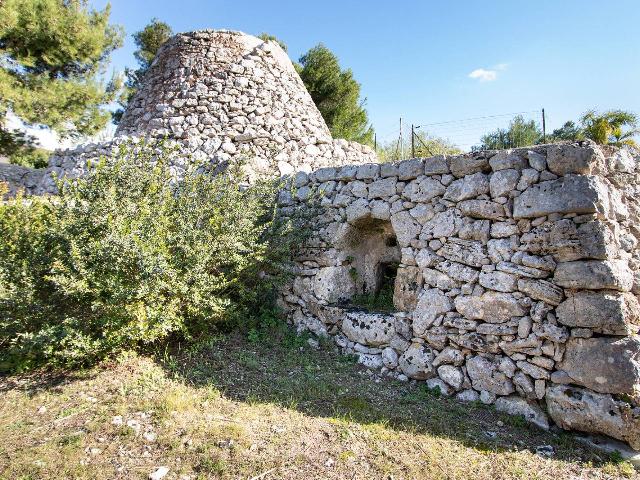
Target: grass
{"x": 265, "y": 406}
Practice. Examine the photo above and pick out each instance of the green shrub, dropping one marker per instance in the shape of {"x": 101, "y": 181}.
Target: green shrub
{"x": 33, "y": 158}
{"x": 128, "y": 256}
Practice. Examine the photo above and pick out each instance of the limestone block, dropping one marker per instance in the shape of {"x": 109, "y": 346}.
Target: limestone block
{"x": 462, "y": 165}
{"x": 531, "y": 411}
{"x": 482, "y": 209}
{"x": 410, "y": 169}
{"x": 440, "y": 386}
{"x": 541, "y": 290}
{"x": 468, "y": 187}
{"x": 443, "y": 224}
{"x": 503, "y": 229}
{"x": 604, "y": 364}
{"x": 449, "y": 355}
{"x": 606, "y": 311}
{"x": 358, "y": 210}
{"x": 431, "y": 303}
{"x": 575, "y": 408}
{"x": 440, "y": 280}
{"x": 533, "y": 370}
{"x": 537, "y": 160}
{"x": 370, "y": 360}
{"x": 382, "y": 188}
{"x": 380, "y": 210}
{"x": 389, "y": 358}
{"x": 368, "y": 171}
{"x": 333, "y": 284}
{"x": 566, "y": 241}
{"x": 521, "y": 270}
{"x": 570, "y": 194}
{"x": 530, "y": 345}
{"x": 371, "y": 329}
{"x": 458, "y": 272}
{"x": 407, "y": 286}
{"x": 437, "y": 165}
{"x": 485, "y": 375}
{"x": 499, "y": 281}
{"x": 422, "y": 213}
{"x": 467, "y": 396}
{"x": 426, "y": 258}
{"x": 423, "y": 190}
{"x": 524, "y": 385}
{"x": 503, "y": 181}
{"x": 564, "y": 159}
{"x": 405, "y": 227}
{"x": 507, "y": 159}
{"x": 475, "y": 341}
{"x": 594, "y": 275}
{"x": 501, "y": 250}
{"x": 492, "y": 307}
{"x": 528, "y": 177}
{"x": 451, "y": 376}
{"x": 417, "y": 362}
{"x": 467, "y": 252}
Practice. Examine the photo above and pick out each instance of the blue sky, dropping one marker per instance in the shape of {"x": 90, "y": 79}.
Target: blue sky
{"x": 416, "y": 59}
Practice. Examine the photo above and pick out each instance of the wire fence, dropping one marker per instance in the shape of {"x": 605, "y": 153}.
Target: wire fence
{"x": 464, "y": 134}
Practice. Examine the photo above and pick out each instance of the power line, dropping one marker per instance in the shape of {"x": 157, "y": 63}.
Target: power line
{"x": 479, "y": 118}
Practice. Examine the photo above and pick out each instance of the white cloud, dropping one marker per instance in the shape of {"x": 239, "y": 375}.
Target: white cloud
{"x": 484, "y": 75}
{"x": 487, "y": 75}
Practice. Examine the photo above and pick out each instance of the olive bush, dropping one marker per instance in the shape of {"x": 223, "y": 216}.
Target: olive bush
{"x": 130, "y": 254}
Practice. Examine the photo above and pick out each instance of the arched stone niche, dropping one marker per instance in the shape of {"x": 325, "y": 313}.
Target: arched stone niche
{"x": 372, "y": 255}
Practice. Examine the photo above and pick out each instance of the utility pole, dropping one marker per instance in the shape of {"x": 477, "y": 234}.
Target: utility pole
{"x": 400, "y": 146}
{"x": 413, "y": 143}
{"x": 375, "y": 142}
{"x": 544, "y": 128}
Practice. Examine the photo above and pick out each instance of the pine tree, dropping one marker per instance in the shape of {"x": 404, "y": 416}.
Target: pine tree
{"x": 336, "y": 94}
{"x": 52, "y": 56}
{"x": 148, "y": 40}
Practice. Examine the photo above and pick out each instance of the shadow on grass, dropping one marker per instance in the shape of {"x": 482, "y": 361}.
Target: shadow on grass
{"x": 280, "y": 367}
{"x": 42, "y": 380}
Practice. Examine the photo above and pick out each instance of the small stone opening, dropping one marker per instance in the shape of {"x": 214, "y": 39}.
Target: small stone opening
{"x": 373, "y": 257}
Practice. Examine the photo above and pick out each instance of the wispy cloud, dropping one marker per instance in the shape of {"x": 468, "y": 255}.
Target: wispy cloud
{"x": 487, "y": 75}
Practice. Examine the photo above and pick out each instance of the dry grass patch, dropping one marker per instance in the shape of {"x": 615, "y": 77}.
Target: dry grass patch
{"x": 274, "y": 407}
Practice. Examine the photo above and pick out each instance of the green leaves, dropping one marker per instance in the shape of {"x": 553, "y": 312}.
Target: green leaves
{"x": 148, "y": 40}
{"x": 129, "y": 255}
{"x": 336, "y": 94}
{"x": 609, "y": 127}
{"x": 53, "y": 52}
{"x": 521, "y": 133}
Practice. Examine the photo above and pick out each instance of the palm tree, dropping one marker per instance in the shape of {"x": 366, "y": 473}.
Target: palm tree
{"x": 608, "y": 128}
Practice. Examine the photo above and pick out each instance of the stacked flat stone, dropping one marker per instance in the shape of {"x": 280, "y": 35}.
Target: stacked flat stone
{"x": 227, "y": 94}
{"x": 518, "y": 282}
{"x": 220, "y": 96}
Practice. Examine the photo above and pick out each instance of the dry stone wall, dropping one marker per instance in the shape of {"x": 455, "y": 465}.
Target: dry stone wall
{"x": 517, "y": 277}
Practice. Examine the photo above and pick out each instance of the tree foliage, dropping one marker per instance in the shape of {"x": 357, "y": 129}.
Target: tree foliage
{"x": 570, "y": 131}
{"x": 521, "y": 133}
{"x": 336, "y": 94}
{"x": 425, "y": 145}
{"x": 148, "y": 40}
{"x": 266, "y": 37}
{"x": 616, "y": 127}
{"x": 128, "y": 256}
{"x": 52, "y": 53}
